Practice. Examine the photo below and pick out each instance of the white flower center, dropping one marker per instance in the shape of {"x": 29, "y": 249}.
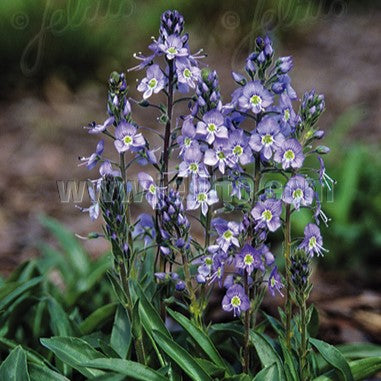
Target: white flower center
{"x": 187, "y": 73}
{"x": 211, "y": 127}
{"x": 297, "y": 193}
{"x": 152, "y": 83}
{"x": 289, "y": 155}
{"x": 256, "y": 100}
{"x": 236, "y": 301}
{"x": 248, "y": 260}
{"x": 312, "y": 242}
{"x": 201, "y": 197}
{"x": 267, "y": 215}
{"x": 193, "y": 167}
{"x": 267, "y": 139}
{"x": 172, "y": 50}
{"x": 127, "y": 140}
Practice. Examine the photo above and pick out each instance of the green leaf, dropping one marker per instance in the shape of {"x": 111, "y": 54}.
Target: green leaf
{"x": 270, "y": 373}
{"x": 31, "y": 355}
{"x": 333, "y": 357}
{"x": 210, "y": 368}
{"x": 275, "y": 324}
{"x": 11, "y": 291}
{"x": 110, "y": 377}
{"x": 181, "y": 357}
{"x": 121, "y": 333}
{"x": 361, "y": 369}
{"x": 79, "y": 261}
{"x": 14, "y": 367}
{"x": 290, "y": 365}
{"x": 118, "y": 290}
{"x": 266, "y": 353}
{"x": 128, "y": 368}
{"x": 74, "y": 351}
{"x": 240, "y": 377}
{"x": 59, "y": 321}
{"x": 43, "y": 373}
{"x": 200, "y": 338}
{"x": 98, "y": 318}
{"x": 313, "y": 324}
{"x": 149, "y": 316}
{"x": 95, "y": 275}
{"x": 359, "y": 350}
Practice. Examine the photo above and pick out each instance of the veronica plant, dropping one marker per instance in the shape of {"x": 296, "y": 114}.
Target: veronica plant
{"x": 217, "y": 145}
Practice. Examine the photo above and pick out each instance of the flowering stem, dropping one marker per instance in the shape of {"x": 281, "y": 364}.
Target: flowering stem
{"x": 246, "y": 348}
{"x": 287, "y": 256}
{"x": 164, "y": 169}
{"x": 303, "y": 347}
{"x": 125, "y": 266}
{"x": 194, "y": 309}
{"x": 167, "y": 134}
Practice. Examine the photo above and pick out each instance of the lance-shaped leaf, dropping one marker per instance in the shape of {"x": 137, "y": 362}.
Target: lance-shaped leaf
{"x": 333, "y": 357}
{"x": 131, "y": 369}
{"x": 361, "y": 369}
{"x": 200, "y": 338}
{"x": 181, "y": 357}
{"x": 14, "y": 367}
{"x": 74, "y": 352}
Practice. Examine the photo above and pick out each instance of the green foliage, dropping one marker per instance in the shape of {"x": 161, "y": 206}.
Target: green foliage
{"x": 96, "y": 339}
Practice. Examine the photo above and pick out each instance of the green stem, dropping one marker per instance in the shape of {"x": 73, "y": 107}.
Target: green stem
{"x": 194, "y": 309}
{"x": 125, "y": 267}
{"x": 287, "y": 256}
{"x": 247, "y": 318}
{"x": 164, "y": 171}
{"x": 304, "y": 341}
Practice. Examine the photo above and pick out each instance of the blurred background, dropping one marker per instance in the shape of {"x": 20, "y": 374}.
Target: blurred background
{"x": 56, "y": 57}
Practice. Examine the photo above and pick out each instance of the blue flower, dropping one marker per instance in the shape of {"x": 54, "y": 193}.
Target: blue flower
{"x": 144, "y": 228}
{"x": 98, "y": 128}
{"x": 212, "y": 126}
{"x": 238, "y": 148}
{"x": 151, "y": 189}
{"x": 267, "y": 214}
{"x": 154, "y": 81}
{"x": 227, "y": 233}
{"x": 173, "y": 47}
{"x": 235, "y": 300}
{"x": 254, "y": 97}
{"x": 248, "y": 259}
{"x": 192, "y": 164}
{"x": 288, "y": 119}
{"x": 313, "y": 241}
{"x": 187, "y": 75}
{"x": 94, "y": 158}
{"x": 266, "y": 138}
{"x": 187, "y": 139}
{"x": 201, "y": 195}
{"x": 298, "y": 192}
{"x": 283, "y": 85}
{"x": 290, "y": 154}
{"x": 107, "y": 169}
{"x": 218, "y": 155}
{"x": 275, "y": 282}
{"x": 127, "y": 138}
